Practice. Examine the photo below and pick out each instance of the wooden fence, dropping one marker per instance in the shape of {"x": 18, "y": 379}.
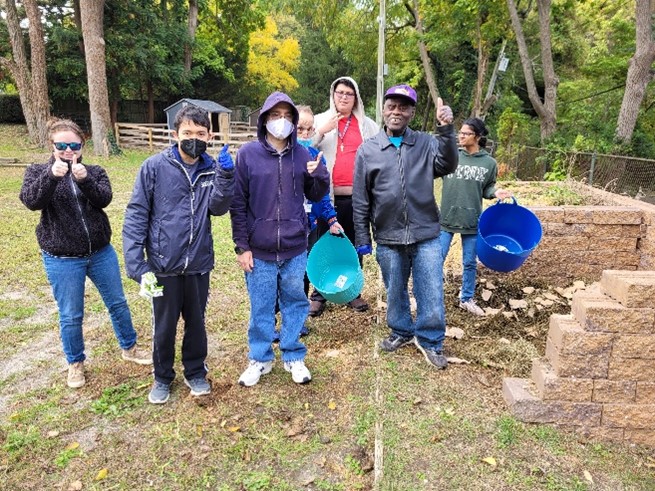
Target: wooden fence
{"x": 155, "y": 137}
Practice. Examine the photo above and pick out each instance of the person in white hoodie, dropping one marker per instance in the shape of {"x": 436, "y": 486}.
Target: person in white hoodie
{"x": 339, "y": 132}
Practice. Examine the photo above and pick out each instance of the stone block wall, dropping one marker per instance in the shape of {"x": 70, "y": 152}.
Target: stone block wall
{"x": 580, "y": 242}
{"x": 598, "y": 375}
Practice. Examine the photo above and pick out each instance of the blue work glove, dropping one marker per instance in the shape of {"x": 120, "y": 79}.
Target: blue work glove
{"x": 225, "y": 159}
{"x": 363, "y": 250}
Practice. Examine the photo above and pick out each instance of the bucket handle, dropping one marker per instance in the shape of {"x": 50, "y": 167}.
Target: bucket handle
{"x": 499, "y": 201}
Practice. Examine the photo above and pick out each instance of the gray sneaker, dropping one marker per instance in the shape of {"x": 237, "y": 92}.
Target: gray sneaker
{"x": 433, "y": 356}
{"x": 472, "y": 307}
{"x": 198, "y": 386}
{"x": 159, "y": 393}
{"x": 394, "y": 342}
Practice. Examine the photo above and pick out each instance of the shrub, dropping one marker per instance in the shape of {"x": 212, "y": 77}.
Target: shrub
{"x": 10, "y": 109}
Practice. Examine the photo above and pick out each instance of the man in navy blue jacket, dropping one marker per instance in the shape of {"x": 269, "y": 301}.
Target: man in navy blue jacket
{"x": 167, "y": 231}
{"x": 269, "y": 228}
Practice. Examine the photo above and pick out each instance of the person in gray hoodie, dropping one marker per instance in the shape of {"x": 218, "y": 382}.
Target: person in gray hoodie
{"x": 339, "y": 132}
{"x": 269, "y": 228}
{"x": 461, "y": 202}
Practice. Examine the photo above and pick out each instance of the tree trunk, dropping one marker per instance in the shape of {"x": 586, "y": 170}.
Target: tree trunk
{"x": 490, "y": 98}
{"x": 31, "y": 83}
{"x": 483, "y": 63}
{"x": 639, "y": 73}
{"x": 94, "y": 46}
{"x": 545, "y": 109}
{"x": 77, "y": 18}
{"x": 39, "y": 95}
{"x": 193, "y": 25}
{"x": 423, "y": 51}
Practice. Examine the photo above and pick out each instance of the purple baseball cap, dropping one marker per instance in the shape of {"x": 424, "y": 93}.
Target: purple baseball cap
{"x": 401, "y": 91}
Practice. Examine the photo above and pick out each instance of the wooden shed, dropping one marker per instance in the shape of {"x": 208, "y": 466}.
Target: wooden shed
{"x": 219, "y": 116}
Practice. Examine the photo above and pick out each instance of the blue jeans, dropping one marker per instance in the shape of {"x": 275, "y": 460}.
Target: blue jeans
{"x": 469, "y": 261}
{"x": 425, "y": 262}
{"x": 264, "y": 290}
{"x": 67, "y": 276}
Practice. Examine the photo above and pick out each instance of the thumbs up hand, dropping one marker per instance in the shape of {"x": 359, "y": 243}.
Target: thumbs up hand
{"x": 225, "y": 159}
{"x": 313, "y": 164}
{"x": 444, "y": 113}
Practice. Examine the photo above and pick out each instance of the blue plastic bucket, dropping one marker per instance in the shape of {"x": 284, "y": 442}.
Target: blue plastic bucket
{"x": 333, "y": 268}
{"x": 507, "y": 235}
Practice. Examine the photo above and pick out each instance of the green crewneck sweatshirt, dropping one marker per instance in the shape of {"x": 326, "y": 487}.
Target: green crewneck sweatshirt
{"x": 463, "y": 190}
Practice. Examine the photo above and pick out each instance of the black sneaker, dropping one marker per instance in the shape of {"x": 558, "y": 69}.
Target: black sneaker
{"x": 394, "y": 341}
{"x": 433, "y": 356}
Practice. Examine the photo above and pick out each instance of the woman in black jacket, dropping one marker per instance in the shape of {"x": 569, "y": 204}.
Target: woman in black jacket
{"x": 74, "y": 236}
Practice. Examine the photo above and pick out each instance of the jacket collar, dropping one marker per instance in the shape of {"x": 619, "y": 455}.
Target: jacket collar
{"x": 409, "y": 138}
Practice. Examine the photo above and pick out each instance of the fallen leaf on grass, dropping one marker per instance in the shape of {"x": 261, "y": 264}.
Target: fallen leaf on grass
{"x": 528, "y": 290}
{"x": 233, "y": 429}
{"x": 491, "y": 312}
{"x": 486, "y": 294}
{"x": 72, "y": 446}
{"x": 518, "y": 304}
{"x": 587, "y": 476}
{"x": 332, "y": 405}
{"x": 483, "y": 380}
{"x": 102, "y": 474}
{"x": 458, "y": 361}
{"x": 52, "y": 434}
{"x": 418, "y": 401}
{"x": 490, "y": 285}
{"x": 454, "y": 332}
{"x": 651, "y": 463}
{"x": 75, "y": 486}
{"x": 334, "y": 353}
{"x": 490, "y": 460}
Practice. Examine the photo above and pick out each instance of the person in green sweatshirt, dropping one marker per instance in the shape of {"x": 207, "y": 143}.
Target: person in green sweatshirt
{"x": 461, "y": 202}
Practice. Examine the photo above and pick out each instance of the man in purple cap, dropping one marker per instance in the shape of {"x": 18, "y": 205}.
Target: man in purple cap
{"x": 393, "y": 192}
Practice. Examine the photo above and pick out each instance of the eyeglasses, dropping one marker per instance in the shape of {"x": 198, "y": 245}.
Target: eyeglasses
{"x": 465, "y": 133}
{"x": 74, "y": 146}
{"x": 344, "y": 95}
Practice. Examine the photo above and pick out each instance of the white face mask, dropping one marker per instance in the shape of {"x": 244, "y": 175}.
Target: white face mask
{"x": 280, "y": 128}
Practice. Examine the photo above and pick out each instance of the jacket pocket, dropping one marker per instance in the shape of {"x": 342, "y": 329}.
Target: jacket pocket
{"x": 268, "y": 236}
{"x": 461, "y": 218}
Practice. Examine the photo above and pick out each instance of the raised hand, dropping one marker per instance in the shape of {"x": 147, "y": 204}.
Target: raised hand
{"x": 225, "y": 159}
{"x": 330, "y": 124}
{"x": 313, "y": 164}
{"x": 78, "y": 170}
{"x": 444, "y": 113}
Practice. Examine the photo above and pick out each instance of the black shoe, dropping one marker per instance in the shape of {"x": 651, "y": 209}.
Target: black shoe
{"x": 358, "y": 305}
{"x": 316, "y": 308}
{"x": 304, "y": 331}
{"x": 394, "y": 341}
{"x": 434, "y": 357}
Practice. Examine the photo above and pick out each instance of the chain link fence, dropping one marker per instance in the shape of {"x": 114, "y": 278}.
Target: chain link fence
{"x": 628, "y": 176}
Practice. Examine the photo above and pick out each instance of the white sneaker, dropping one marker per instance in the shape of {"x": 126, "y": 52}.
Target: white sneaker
{"x": 299, "y": 372}
{"x": 253, "y": 373}
{"x": 472, "y": 307}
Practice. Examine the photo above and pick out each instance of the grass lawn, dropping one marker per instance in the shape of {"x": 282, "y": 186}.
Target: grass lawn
{"x": 368, "y": 420}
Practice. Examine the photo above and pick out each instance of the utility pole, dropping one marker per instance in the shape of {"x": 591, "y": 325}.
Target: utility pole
{"x": 380, "y": 81}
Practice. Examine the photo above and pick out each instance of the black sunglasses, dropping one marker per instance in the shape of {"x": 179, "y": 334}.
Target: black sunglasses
{"x": 74, "y": 146}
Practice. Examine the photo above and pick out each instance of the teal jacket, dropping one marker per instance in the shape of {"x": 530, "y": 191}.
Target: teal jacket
{"x": 463, "y": 190}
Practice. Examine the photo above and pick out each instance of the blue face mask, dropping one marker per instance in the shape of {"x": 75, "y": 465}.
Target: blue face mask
{"x": 305, "y": 143}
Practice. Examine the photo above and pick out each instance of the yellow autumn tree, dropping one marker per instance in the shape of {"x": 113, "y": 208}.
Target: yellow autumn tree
{"x": 272, "y": 60}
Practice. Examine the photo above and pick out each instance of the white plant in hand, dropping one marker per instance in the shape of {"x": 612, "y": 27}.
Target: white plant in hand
{"x": 149, "y": 286}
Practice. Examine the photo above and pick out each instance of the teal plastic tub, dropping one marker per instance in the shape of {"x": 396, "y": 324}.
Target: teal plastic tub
{"x": 333, "y": 268}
